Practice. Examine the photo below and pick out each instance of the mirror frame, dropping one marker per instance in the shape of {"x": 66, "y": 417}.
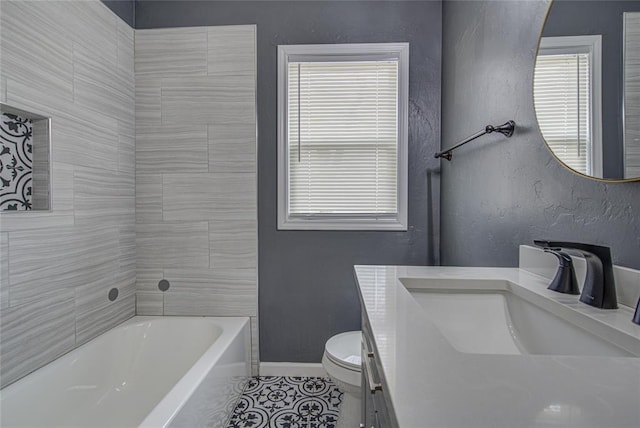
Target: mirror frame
{"x": 573, "y": 171}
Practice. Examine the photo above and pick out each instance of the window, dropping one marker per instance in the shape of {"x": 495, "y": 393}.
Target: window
{"x": 342, "y": 136}
{"x": 567, "y": 100}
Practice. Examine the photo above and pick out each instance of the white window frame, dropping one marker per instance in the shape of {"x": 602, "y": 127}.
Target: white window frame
{"x": 344, "y": 52}
{"x": 592, "y": 45}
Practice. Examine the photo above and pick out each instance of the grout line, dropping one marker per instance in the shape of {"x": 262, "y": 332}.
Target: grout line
{"x": 75, "y": 321}
{"x": 161, "y": 197}
{"x": 163, "y": 293}
{"x": 206, "y": 52}
{"x": 73, "y": 72}
{"x": 208, "y": 150}
{"x": 73, "y": 192}
{"x": 117, "y": 30}
{"x": 161, "y": 112}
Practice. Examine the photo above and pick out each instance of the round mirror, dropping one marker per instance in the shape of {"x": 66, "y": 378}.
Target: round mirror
{"x": 587, "y": 87}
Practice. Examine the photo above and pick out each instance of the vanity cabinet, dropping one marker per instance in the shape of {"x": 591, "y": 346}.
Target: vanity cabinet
{"x": 377, "y": 411}
{"x": 413, "y": 316}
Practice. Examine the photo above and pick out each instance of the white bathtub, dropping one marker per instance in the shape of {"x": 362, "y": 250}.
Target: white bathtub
{"x": 147, "y": 372}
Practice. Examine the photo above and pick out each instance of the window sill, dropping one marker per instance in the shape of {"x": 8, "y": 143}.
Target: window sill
{"x": 342, "y": 224}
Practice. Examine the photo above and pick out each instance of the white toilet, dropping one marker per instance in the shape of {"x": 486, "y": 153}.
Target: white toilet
{"x": 342, "y": 361}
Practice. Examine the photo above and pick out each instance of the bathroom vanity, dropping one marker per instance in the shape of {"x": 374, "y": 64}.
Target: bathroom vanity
{"x": 477, "y": 347}
{"x": 377, "y": 410}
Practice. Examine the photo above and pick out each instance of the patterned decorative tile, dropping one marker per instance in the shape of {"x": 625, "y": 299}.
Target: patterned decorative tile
{"x": 16, "y": 162}
{"x": 288, "y": 402}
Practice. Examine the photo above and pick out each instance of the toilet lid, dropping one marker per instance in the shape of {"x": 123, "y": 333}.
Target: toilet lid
{"x": 344, "y": 349}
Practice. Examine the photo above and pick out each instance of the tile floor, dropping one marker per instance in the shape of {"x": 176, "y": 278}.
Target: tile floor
{"x": 287, "y": 402}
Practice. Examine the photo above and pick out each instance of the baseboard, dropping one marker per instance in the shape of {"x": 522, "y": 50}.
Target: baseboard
{"x": 292, "y": 369}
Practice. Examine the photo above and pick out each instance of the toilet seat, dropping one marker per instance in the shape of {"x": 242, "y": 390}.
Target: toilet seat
{"x": 344, "y": 350}
{"x": 341, "y": 360}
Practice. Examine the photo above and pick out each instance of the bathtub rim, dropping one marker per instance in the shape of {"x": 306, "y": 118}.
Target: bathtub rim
{"x": 176, "y": 397}
{"x": 170, "y": 405}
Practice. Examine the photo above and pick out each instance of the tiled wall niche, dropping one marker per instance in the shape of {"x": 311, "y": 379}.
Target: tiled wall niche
{"x": 71, "y": 61}
{"x": 16, "y": 162}
{"x": 25, "y": 170}
{"x": 196, "y": 190}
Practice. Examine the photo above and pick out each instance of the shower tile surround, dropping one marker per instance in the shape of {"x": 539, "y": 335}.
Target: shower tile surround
{"x": 190, "y": 104}
{"x": 196, "y": 213}
{"x": 73, "y": 62}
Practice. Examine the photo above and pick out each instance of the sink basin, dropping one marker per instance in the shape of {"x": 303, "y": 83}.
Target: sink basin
{"x": 497, "y": 317}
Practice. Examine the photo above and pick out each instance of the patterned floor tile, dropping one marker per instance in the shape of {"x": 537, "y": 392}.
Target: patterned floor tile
{"x": 287, "y": 402}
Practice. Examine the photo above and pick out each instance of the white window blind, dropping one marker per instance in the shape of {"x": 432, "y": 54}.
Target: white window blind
{"x": 343, "y": 138}
{"x": 562, "y": 100}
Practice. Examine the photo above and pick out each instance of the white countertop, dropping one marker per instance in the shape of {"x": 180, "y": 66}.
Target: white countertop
{"x": 431, "y": 384}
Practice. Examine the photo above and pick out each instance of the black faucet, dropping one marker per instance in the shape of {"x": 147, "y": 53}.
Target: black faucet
{"x": 599, "y": 288}
{"x": 636, "y": 315}
{"x": 565, "y": 280}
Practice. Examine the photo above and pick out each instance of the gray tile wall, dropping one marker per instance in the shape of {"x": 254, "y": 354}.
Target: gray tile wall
{"x": 196, "y": 208}
{"x": 73, "y": 61}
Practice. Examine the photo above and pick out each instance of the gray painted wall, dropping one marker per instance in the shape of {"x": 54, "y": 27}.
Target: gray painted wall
{"x": 499, "y": 193}
{"x": 572, "y": 18}
{"x": 306, "y": 287}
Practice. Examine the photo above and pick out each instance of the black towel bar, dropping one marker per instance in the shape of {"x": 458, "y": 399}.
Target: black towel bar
{"x": 505, "y": 129}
